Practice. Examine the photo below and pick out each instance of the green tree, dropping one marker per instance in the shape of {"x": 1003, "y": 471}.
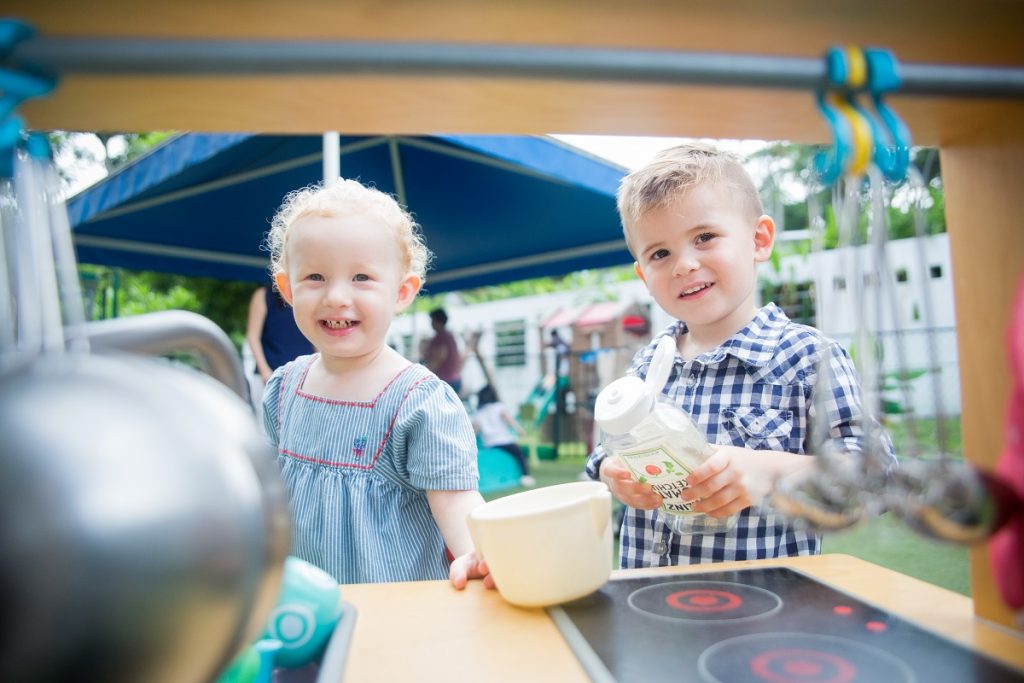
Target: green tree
{"x": 791, "y": 172}
{"x": 123, "y": 292}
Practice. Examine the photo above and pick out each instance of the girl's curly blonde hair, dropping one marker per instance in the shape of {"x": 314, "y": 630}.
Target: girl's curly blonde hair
{"x": 346, "y": 198}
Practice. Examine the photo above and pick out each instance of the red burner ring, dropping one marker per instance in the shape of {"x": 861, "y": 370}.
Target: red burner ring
{"x": 790, "y": 657}
{"x": 793, "y": 665}
{"x": 704, "y": 600}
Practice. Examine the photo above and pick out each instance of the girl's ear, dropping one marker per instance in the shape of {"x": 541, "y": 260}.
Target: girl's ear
{"x": 764, "y": 238}
{"x": 408, "y": 288}
{"x": 284, "y": 286}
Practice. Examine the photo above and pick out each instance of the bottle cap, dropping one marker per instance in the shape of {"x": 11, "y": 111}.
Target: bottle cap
{"x": 622, "y": 405}
{"x": 625, "y": 402}
{"x": 661, "y": 364}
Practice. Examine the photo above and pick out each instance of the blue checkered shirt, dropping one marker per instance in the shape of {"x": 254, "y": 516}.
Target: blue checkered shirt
{"x": 753, "y": 391}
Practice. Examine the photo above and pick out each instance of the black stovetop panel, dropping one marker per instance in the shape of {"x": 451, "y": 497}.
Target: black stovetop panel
{"x": 770, "y": 624}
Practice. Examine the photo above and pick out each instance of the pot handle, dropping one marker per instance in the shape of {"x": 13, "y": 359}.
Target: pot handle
{"x": 471, "y": 524}
{"x": 169, "y": 331}
{"x": 600, "y": 506}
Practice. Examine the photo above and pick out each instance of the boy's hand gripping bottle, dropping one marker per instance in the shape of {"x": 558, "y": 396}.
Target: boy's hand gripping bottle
{"x": 657, "y": 441}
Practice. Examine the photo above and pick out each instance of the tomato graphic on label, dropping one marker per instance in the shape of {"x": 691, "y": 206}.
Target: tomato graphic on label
{"x": 653, "y": 470}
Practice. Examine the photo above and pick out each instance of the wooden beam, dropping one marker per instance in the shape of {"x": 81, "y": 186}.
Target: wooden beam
{"x": 981, "y": 33}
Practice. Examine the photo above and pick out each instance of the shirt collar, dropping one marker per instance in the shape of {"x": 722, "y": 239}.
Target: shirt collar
{"x": 754, "y": 345}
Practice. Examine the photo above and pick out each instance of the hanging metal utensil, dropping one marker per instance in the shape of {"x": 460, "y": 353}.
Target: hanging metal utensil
{"x": 836, "y": 494}
{"x": 941, "y": 498}
{"x": 143, "y": 523}
{"x": 8, "y": 313}
{"x": 64, "y": 261}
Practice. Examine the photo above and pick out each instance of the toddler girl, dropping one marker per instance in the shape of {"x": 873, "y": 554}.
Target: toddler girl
{"x": 378, "y": 455}
{"x": 498, "y": 429}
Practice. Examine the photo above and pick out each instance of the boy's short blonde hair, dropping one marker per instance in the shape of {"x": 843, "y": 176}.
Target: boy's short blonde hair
{"x": 348, "y": 198}
{"x": 672, "y": 173}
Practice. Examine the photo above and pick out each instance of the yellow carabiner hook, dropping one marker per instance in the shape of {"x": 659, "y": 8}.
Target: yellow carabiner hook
{"x": 857, "y": 65}
{"x": 860, "y": 127}
{"x": 863, "y": 141}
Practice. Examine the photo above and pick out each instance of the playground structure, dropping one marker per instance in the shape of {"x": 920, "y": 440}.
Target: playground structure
{"x": 605, "y": 337}
{"x": 559, "y": 408}
{"x": 975, "y": 123}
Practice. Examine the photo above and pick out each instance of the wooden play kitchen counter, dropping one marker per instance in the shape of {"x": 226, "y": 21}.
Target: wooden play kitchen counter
{"x": 426, "y": 631}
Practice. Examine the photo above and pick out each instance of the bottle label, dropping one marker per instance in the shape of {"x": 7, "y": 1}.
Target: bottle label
{"x": 665, "y": 473}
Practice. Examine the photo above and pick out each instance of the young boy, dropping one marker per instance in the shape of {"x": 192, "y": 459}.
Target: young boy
{"x": 694, "y": 223}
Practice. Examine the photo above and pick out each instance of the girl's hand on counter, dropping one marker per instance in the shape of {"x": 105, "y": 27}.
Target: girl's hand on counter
{"x": 469, "y": 566}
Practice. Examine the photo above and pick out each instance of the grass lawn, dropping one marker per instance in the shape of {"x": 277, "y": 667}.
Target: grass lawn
{"x": 885, "y": 541}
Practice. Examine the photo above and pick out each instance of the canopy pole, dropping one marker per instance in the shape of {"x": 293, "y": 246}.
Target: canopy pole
{"x": 332, "y": 156}
{"x": 112, "y": 55}
{"x": 396, "y": 172}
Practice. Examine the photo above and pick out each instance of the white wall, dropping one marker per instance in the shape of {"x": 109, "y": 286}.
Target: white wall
{"x": 837, "y": 317}
{"x": 900, "y": 306}
{"x": 514, "y": 383}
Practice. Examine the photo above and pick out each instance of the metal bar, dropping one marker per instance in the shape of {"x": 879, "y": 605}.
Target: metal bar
{"x": 68, "y": 56}
{"x": 164, "y": 332}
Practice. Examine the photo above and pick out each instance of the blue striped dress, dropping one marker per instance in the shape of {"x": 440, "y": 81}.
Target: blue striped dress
{"x": 357, "y": 472}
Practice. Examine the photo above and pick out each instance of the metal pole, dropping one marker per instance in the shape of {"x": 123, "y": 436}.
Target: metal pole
{"x": 67, "y": 56}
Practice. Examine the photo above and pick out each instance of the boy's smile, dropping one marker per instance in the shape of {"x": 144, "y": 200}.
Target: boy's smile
{"x": 698, "y": 256}
{"x": 696, "y": 291}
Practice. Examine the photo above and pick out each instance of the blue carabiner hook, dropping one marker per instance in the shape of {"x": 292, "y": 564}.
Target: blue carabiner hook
{"x": 883, "y": 78}
{"x": 830, "y": 164}
{"x": 16, "y": 86}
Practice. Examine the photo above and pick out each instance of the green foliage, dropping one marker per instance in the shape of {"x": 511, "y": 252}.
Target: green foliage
{"x": 791, "y": 167}
{"x": 138, "y": 296}
{"x": 224, "y": 302}
{"x": 136, "y": 144}
{"x": 123, "y": 293}
{"x": 75, "y": 150}
{"x": 795, "y": 298}
{"x": 924, "y": 432}
{"x": 886, "y": 541}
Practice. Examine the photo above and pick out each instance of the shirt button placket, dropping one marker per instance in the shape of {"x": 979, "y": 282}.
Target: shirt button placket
{"x": 694, "y": 375}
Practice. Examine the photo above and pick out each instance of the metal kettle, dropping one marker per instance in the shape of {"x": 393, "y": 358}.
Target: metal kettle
{"x": 143, "y": 526}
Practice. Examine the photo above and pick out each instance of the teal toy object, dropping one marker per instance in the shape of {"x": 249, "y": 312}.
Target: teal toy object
{"x": 306, "y": 613}
{"x": 254, "y": 664}
{"x": 498, "y": 470}
{"x": 243, "y": 669}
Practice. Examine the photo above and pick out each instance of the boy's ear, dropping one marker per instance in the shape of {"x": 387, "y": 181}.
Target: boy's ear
{"x": 408, "y": 288}
{"x": 284, "y": 286}
{"x": 639, "y": 272}
{"x": 764, "y": 238}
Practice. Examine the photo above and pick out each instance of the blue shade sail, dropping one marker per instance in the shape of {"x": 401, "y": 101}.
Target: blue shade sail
{"x": 493, "y": 208}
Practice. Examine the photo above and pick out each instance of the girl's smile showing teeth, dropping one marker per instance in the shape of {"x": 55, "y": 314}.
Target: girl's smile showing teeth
{"x": 339, "y": 324}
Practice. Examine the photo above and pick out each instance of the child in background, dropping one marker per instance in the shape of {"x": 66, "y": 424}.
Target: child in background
{"x": 377, "y": 454}
{"x": 694, "y": 223}
{"x": 497, "y": 429}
